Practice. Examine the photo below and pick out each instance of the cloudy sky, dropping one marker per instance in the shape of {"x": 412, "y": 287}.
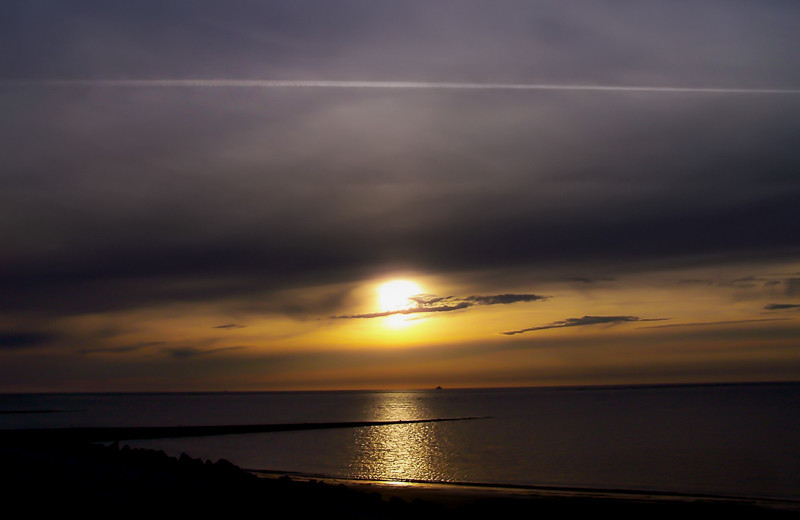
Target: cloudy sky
{"x": 208, "y": 195}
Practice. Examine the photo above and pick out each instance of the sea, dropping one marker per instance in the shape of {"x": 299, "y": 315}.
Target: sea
{"x": 737, "y": 440}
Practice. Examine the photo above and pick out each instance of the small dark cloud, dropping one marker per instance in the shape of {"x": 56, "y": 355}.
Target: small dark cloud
{"x": 185, "y": 352}
{"x": 21, "y": 339}
{"x": 433, "y": 303}
{"x": 708, "y": 323}
{"x": 430, "y": 300}
{"x": 192, "y": 352}
{"x": 504, "y": 299}
{"x": 583, "y": 321}
{"x": 781, "y": 306}
{"x": 744, "y": 282}
{"x": 230, "y": 326}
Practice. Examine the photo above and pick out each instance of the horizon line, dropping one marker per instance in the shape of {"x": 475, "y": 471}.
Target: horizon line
{"x": 383, "y": 85}
{"x": 598, "y": 386}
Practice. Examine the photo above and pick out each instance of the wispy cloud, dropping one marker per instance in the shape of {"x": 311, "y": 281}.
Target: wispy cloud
{"x": 391, "y": 85}
{"x": 504, "y": 299}
{"x": 412, "y": 310}
{"x": 781, "y": 306}
{"x": 583, "y": 321}
{"x": 432, "y": 303}
{"x": 744, "y": 282}
{"x": 230, "y": 326}
{"x": 710, "y": 323}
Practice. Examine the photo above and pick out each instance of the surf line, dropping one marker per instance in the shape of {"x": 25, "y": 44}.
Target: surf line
{"x": 386, "y": 85}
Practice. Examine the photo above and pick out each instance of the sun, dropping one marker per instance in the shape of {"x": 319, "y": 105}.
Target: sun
{"x": 396, "y": 295}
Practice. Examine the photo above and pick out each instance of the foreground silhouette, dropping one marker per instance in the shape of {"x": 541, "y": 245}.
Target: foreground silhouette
{"x": 97, "y": 480}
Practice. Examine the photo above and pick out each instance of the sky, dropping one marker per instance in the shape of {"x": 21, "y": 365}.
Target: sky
{"x": 376, "y": 194}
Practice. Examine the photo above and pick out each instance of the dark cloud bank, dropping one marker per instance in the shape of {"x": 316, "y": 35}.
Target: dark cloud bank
{"x": 129, "y": 198}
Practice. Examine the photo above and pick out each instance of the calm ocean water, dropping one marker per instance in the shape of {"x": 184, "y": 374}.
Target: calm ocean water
{"x": 741, "y": 440}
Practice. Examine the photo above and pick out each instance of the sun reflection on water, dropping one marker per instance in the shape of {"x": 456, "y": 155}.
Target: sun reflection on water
{"x": 415, "y": 451}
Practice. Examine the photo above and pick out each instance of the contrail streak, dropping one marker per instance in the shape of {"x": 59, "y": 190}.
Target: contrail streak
{"x": 377, "y": 85}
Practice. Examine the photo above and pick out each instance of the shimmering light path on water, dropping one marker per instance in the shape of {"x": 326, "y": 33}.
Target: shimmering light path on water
{"x": 738, "y": 440}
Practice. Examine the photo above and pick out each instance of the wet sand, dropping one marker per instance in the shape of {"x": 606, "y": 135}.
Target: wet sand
{"x": 465, "y": 495}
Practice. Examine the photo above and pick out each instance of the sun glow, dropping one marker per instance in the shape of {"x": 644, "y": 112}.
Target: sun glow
{"x": 396, "y": 295}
